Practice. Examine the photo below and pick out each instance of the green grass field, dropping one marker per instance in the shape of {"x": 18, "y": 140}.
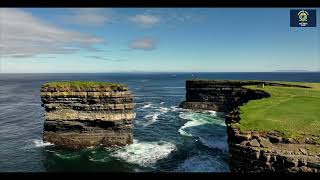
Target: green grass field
{"x": 290, "y": 110}
{"x": 80, "y": 84}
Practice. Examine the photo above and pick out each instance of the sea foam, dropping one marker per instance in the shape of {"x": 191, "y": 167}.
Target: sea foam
{"x": 145, "y": 153}
{"x": 40, "y": 143}
{"x": 208, "y": 128}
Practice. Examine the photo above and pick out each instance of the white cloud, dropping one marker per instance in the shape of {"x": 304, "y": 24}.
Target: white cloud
{"x": 22, "y": 35}
{"x": 89, "y": 16}
{"x": 144, "y": 20}
{"x": 177, "y": 16}
{"x": 104, "y": 58}
{"x": 146, "y": 43}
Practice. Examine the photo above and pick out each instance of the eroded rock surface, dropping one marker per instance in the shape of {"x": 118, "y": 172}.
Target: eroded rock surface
{"x": 88, "y": 116}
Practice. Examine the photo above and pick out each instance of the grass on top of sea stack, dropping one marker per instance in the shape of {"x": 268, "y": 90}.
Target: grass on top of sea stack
{"x": 81, "y": 85}
{"x": 293, "y": 111}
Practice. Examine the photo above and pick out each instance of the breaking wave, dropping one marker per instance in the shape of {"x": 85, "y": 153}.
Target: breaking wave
{"x": 154, "y": 116}
{"x": 208, "y": 127}
{"x": 40, "y": 143}
{"x": 146, "y": 106}
{"x": 145, "y": 153}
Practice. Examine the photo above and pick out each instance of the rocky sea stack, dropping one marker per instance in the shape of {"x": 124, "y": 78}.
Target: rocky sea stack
{"x": 84, "y": 114}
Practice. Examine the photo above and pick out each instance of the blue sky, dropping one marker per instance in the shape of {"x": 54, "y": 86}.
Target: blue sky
{"x": 61, "y": 40}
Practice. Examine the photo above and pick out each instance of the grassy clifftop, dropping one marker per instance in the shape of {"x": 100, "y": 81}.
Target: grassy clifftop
{"x": 70, "y": 85}
{"x": 293, "y": 111}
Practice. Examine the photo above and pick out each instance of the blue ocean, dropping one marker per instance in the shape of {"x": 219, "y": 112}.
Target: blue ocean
{"x": 166, "y": 138}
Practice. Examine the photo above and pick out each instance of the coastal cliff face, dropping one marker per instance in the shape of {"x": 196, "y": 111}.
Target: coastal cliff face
{"x": 251, "y": 151}
{"x": 222, "y": 96}
{"x": 78, "y": 117}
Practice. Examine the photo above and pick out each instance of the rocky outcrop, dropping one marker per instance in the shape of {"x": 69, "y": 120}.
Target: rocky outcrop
{"x": 78, "y": 117}
{"x": 221, "y": 96}
{"x": 251, "y": 151}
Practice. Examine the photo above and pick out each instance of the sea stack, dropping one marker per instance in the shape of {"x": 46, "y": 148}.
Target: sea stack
{"x": 85, "y": 114}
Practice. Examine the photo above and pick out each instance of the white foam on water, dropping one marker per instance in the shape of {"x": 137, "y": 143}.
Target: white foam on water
{"x": 202, "y": 126}
{"x": 40, "y": 143}
{"x": 163, "y": 109}
{"x": 203, "y": 163}
{"x": 192, "y": 122}
{"x": 153, "y": 116}
{"x": 146, "y": 106}
{"x": 67, "y": 156}
{"x": 175, "y": 108}
{"x": 145, "y": 153}
{"x": 162, "y": 102}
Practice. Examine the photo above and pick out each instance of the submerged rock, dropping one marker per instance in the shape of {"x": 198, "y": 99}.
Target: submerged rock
{"x": 89, "y": 114}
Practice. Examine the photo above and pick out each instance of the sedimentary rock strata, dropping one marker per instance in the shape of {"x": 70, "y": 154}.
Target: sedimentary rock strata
{"x": 251, "y": 151}
{"x": 78, "y": 117}
{"x": 220, "y": 96}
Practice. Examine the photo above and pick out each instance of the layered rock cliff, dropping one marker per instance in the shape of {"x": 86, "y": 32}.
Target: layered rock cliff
{"x": 87, "y": 115}
{"x": 221, "y": 96}
{"x": 251, "y": 151}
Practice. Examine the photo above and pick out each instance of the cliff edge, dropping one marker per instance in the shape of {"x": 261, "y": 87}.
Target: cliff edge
{"x": 264, "y": 135}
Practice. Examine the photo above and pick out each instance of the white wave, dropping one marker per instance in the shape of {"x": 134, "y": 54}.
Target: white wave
{"x": 188, "y": 125}
{"x": 40, "y": 143}
{"x": 147, "y": 106}
{"x": 153, "y": 117}
{"x": 145, "y": 153}
{"x": 67, "y": 156}
{"x": 196, "y": 119}
{"x": 209, "y": 128}
{"x": 216, "y": 113}
{"x": 162, "y": 102}
{"x": 176, "y": 108}
{"x": 163, "y": 109}
{"x": 203, "y": 163}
